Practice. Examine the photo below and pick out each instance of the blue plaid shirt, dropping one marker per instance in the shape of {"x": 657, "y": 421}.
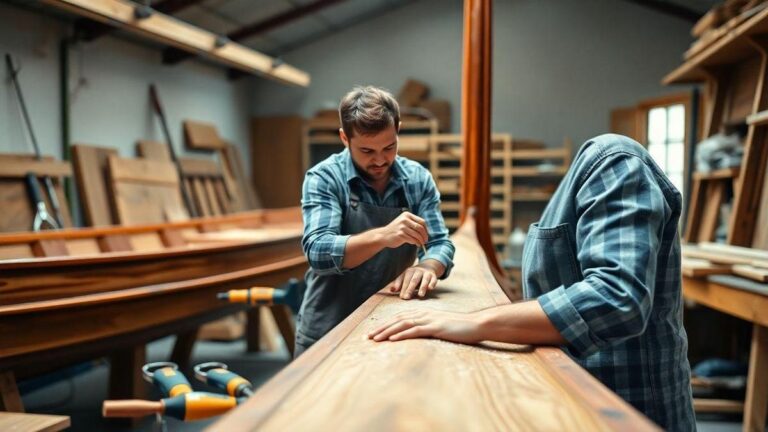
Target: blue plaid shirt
{"x": 325, "y": 197}
{"x": 604, "y": 263}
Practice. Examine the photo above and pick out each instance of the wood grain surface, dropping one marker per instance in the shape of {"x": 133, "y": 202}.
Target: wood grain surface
{"x": 347, "y": 382}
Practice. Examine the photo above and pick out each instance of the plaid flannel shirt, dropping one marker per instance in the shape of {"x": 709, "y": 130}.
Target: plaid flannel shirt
{"x": 325, "y": 198}
{"x": 604, "y": 264}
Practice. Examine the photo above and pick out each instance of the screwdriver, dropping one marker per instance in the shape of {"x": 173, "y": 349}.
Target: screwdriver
{"x": 187, "y": 406}
{"x": 218, "y": 375}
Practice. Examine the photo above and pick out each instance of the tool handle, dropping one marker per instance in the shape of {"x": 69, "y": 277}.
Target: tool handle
{"x": 228, "y": 381}
{"x": 130, "y": 408}
{"x": 33, "y": 188}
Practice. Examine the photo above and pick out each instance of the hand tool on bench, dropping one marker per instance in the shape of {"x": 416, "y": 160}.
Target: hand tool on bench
{"x": 42, "y": 217}
{"x": 186, "y": 406}
{"x": 167, "y": 378}
{"x": 158, "y": 108}
{"x": 266, "y": 296}
{"x": 218, "y": 375}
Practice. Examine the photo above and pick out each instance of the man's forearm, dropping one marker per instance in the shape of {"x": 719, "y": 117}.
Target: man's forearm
{"x": 361, "y": 247}
{"x": 521, "y": 323}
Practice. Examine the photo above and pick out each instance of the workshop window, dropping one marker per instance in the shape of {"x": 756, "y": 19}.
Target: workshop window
{"x": 666, "y": 140}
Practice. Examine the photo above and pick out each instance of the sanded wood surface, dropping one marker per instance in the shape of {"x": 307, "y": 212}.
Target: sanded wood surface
{"x": 348, "y": 382}
{"x": 32, "y": 422}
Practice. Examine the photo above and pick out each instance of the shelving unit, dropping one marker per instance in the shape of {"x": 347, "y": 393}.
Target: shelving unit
{"x": 535, "y": 172}
{"x": 445, "y": 165}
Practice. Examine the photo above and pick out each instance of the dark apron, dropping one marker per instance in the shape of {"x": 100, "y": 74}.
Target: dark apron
{"x": 331, "y": 298}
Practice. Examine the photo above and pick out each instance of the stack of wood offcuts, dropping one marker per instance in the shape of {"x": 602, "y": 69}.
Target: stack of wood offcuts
{"x": 720, "y": 20}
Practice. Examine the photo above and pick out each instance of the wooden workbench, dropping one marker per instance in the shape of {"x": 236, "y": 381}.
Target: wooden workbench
{"x": 747, "y": 300}
{"x": 347, "y": 382}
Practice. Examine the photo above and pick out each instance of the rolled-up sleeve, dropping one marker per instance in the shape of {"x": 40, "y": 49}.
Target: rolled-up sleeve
{"x": 439, "y": 247}
{"x": 322, "y": 244}
{"x": 621, "y": 213}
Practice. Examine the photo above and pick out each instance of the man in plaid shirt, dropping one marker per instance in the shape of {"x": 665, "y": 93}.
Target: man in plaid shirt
{"x": 603, "y": 269}
{"x": 368, "y": 215}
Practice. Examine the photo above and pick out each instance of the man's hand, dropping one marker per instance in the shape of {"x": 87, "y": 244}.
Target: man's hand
{"x": 454, "y": 327}
{"x": 416, "y": 280}
{"x": 405, "y": 229}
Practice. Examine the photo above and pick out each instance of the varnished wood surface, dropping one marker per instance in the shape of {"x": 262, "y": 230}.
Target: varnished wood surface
{"x": 348, "y": 382}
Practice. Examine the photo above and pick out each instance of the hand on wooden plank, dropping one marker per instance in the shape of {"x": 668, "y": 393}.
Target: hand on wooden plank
{"x": 454, "y": 327}
{"x": 416, "y": 280}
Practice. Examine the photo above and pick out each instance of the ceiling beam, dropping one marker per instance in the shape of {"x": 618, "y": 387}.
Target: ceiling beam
{"x": 89, "y": 30}
{"x": 669, "y": 8}
{"x": 173, "y": 56}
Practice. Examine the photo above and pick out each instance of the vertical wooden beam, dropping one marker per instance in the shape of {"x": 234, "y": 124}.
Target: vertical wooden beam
{"x": 757, "y": 382}
{"x": 746, "y": 203}
{"x": 476, "y": 122}
{"x": 183, "y": 347}
{"x": 284, "y": 322}
{"x": 10, "y": 400}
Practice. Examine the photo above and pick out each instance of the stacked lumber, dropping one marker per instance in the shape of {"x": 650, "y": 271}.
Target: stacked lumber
{"x": 707, "y": 259}
{"x": 719, "y": 21}
{"x": 415, "y": 104}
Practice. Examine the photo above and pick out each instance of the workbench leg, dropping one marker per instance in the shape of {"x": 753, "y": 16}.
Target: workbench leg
{"x": 285, "y": 323}
{"x": 10, "y": 400}
{"x": 252, "y": 329}
{"x": 182, "y": 348}
{"x": 757, "y": 382}
{"x": 125, "y": 379}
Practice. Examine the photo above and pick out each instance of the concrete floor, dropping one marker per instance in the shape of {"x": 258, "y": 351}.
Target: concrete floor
{"x": 81, "y": 397}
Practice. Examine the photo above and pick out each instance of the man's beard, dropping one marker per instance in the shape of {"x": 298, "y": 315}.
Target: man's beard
{"x": 369, "y": 176}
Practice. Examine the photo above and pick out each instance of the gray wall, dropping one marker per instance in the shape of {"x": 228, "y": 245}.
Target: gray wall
{"x": 560, "y": 66}
{"x": 112, "y": 107}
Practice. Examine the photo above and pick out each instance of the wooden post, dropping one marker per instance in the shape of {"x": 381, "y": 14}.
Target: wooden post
{"x": 10, "y": 400}
{"x": 476, "y": 130}
{"x": 757, "y": 382}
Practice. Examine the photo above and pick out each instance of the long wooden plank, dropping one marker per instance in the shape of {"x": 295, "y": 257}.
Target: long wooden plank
{"x": 171, "y": 31}
{"x": 733, "y": 301}
{"x": 429, "y": 384}
{"x": 21, "y": 168}
{"x": 90, "y": 163}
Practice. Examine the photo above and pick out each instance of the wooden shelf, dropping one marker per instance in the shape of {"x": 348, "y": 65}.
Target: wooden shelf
{"x": 732, "y": 47}
{"x": 536, "y": 171}
{"x": 172, "y": 31}
{"x": 758, "y": 119}
{"x": 555, "y": 153}
{"x": 532, "y": 196}
{"x": 718, "y": 174}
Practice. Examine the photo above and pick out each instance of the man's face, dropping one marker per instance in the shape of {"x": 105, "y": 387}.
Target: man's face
{"x": 373, "y": 155}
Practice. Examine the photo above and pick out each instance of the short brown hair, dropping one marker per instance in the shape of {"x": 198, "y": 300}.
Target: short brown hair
{"x": 367, "y": 111}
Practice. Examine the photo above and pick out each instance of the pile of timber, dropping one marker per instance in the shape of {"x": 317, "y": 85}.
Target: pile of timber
{"x": 706, "y": 259}
{"x": 720, "y": 20}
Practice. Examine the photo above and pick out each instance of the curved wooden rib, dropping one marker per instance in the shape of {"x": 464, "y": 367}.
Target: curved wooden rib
{"x": 347, "y": 382}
